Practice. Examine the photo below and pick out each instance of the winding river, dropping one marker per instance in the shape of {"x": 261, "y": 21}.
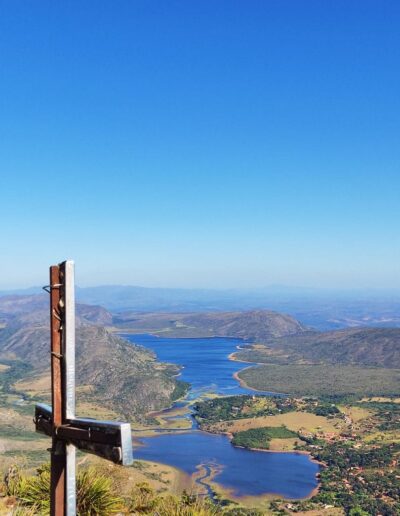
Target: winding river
{"x": 207, "y": 367}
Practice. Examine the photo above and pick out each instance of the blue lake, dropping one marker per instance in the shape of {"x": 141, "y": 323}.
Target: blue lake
{"x": 245, "y": 472}
{"x": 205, "y": 361}
{"x": 206, "y": 367}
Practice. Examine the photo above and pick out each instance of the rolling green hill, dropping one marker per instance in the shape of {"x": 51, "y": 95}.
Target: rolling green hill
{"x": 374, "y": 347}
{"x": 355, "y": 362}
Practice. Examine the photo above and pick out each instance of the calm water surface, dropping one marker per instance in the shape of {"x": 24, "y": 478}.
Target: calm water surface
{"x": 205, "y": 361}
{"x": 247, "y": 473}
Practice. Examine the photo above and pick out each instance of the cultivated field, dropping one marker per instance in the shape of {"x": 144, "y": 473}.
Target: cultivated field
{"x": 295, "y": 421}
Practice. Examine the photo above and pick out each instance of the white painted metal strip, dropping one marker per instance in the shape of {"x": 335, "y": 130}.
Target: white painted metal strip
{"x": 69, "y": 352}
{"x": 70, "y": 480}
{"x": 69, "y": 349}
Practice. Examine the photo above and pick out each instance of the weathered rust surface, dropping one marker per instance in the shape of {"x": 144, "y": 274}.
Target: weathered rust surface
{"x": 58, "y": 454}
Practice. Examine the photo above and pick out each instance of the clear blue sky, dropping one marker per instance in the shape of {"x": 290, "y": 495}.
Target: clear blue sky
{"x": 201, "y": 143}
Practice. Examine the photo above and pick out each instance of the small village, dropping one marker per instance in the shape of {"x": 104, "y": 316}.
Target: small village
{"x": 355, "y": 442}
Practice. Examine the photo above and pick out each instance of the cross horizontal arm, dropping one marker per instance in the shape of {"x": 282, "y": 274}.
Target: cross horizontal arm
{"x": 108, "y": 439}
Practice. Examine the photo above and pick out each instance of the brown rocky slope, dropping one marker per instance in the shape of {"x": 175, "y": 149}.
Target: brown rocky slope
{"x": 110, "y": 371}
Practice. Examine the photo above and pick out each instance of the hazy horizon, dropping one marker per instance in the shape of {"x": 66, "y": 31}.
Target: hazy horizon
{"x": 271, "y": 289}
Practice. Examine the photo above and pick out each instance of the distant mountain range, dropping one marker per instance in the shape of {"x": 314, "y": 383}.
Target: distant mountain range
{"x": 250, "y": 325}
{"x": 324, "y": 309}
{"x": 36, "y": 307}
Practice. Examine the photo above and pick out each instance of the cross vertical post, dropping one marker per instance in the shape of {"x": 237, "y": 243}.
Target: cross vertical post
{"x": 108, "y": 439}
{"x": 58, "y": 450}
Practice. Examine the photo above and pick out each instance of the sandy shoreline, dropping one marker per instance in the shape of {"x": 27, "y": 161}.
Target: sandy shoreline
{"x": 232, "y": 357}
{"x": 243, "y": 384}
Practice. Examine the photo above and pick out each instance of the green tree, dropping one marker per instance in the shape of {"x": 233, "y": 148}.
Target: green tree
{"x": 357, "y": 511}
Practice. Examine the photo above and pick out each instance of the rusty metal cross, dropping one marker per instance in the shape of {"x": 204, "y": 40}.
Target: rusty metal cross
{"x": 110, "y": 440}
